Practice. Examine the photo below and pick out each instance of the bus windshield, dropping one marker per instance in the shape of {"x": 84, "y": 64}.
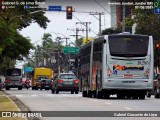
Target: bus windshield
{"x": 128, "y": 46}
{"x": 13, "y": 72}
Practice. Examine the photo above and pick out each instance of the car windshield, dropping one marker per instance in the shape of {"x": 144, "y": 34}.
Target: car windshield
{"x": 46, "y": 81}
{"x": 67, "y": 76}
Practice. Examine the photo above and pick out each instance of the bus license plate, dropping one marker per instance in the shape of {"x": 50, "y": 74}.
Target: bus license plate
{"x": 128, "y": 76}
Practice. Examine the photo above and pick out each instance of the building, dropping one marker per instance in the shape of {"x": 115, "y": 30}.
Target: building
{"x": 117, "y": 14}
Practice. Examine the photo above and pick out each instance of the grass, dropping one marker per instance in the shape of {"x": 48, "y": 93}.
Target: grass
{"x": 7, "y": 105}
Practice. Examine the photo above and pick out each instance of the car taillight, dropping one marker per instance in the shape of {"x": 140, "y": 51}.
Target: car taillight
{"x": 109, "y": 72}
{"x": 59, "y": 81}
{"x": 75, "y": 81}
{"x": 42, "y": 83}
{"x": 20, "y": 80}
{"x": 147, "y": 72}
{"x": 6, "y": 81}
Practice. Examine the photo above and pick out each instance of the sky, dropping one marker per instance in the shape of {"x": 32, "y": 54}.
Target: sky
{"x": 59, "y": 24}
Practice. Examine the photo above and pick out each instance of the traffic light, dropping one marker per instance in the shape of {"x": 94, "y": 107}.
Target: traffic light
{"x": 69, "y": 12}
{"x": 157, "y": 49}
{"x": 157, "y": 46}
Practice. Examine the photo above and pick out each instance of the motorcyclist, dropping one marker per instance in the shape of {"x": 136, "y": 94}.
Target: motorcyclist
{"x": 27, "y": 82}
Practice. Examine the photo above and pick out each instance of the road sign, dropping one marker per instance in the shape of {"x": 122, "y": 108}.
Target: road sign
{"x": 156, "y": 7}
{"x": 71, "y": 50}
{"x": 28, "y": 69}
{"x": 54, "y": 8}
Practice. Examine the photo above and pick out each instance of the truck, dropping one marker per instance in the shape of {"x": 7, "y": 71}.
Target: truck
{"x": 38, "y": 74}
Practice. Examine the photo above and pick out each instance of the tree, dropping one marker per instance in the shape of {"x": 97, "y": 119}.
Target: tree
{"x": 146, "y": 23}
{"x": 13, "y": 45}
{"x": 79, "y": 41}
{"x": 110, "y": 31}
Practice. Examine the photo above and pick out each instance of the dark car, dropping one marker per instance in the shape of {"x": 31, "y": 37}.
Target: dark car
{"x": 45, "y": 84}
{"x": 155, "y": 86}
{"x": 65, "y": 82}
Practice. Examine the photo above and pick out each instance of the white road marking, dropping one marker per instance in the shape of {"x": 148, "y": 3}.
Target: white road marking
{"x": 18, "y": 95}
{"x": 108, "y": 103}
{"x": 49, "y": 95}
{"x": 34, "y": 95}
{"x": 127, "y": 108}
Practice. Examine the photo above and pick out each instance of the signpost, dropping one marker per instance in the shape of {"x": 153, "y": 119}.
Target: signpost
{"x": 71, "y": 50}
{"x": 156, "y": 7}
{"x": 28, "y": 69}
{"x": 55, "y": 8}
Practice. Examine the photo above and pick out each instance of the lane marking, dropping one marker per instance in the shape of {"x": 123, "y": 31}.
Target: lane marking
{"x": 18, "y": 95}
{"x": 34, "y": 95}
{"x": 108, "y": 103}
{"x": 49, "y": 95}
{"x": 127, "y": 108}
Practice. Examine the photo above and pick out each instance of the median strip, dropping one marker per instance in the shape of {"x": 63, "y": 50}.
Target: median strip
{"x": 6, "y": 104}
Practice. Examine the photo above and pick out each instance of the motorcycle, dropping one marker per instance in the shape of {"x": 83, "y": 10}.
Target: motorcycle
{"x": 27, "y": 86}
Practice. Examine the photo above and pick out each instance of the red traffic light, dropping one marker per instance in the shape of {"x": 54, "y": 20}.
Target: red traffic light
{"x": 69, "y": 12}
{"x": 157, "y": 45}
{"x": 69, "y": 9}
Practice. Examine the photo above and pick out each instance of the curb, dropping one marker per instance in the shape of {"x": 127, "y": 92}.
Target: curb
{"x": 20, "y": 105}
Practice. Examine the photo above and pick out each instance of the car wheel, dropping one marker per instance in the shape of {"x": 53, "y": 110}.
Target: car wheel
{"x": 84, "y": 93}
{"x": 19, "y": 88}
{"x": 57, "y": 91}
{"x": 52, "y": 91}
{"x": 72, "y": 92}
{"x": 142, "y": 96}
{"x": 156, "y": 93}
{"x": 148, "y": 94}
{"x": 76, "y": 91}
{"x": 7, "y": 88}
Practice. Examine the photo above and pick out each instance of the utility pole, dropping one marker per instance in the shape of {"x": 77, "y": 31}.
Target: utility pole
{"x": 100, "y": 14}
{"x": 76, "y": 35}
{"x": 85, "y": 24}
{"x": 66, "y": 40}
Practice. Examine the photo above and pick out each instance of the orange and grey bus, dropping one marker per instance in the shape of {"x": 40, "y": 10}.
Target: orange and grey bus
{"x": 118, "y": 64}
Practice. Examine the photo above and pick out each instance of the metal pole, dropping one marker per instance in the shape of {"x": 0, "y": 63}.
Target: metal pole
{"x": 69, "y": 63}
{"x": 76, "y": 34}
{"x": 58, "y": 59}
{"x": 86, "y": 32}
{"x": 100, "y": 33}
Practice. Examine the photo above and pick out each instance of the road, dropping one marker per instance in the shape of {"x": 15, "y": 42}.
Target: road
{"x": 64, "y": 101}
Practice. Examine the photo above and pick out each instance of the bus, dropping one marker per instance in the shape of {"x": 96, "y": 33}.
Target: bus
{"x": 13, "y": 78}
{"x": 38, "y": 74}
{"x": 117, "y": 64}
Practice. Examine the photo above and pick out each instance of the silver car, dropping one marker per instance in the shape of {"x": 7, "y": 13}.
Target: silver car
{"x": 65, "y": 82}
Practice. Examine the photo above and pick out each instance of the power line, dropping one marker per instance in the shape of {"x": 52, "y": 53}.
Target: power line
{"x": 85, "y": 25}
{"x": 108, "y": 11}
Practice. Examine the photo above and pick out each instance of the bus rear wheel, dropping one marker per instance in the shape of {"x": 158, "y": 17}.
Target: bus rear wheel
{"x": 19, "y": 88}
{"x": 84, "y": 93}
{"x": 142, "y": 96}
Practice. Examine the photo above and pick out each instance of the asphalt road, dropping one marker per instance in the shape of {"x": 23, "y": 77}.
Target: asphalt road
{"x": 43, "y": 100}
